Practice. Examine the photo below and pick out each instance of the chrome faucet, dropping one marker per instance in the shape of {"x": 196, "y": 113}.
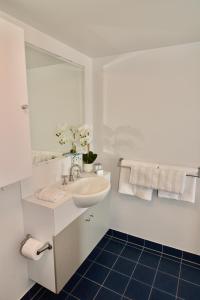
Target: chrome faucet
{"x": 71, "y": 174}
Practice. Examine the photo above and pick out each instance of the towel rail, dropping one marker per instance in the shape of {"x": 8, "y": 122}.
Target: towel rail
{"x": 127, "y": 167}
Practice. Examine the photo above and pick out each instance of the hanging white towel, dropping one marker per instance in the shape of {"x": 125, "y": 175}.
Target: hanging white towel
{"x": 188, "y": 193}
{"x": 184, "y": 185}
{"x": 172, "y": 180}
{"x": 125, "y": 187}
{"x": 144, "y": 176}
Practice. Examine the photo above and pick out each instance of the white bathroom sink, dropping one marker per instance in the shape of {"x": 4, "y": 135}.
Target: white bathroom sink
{"x": 88, "y": 191}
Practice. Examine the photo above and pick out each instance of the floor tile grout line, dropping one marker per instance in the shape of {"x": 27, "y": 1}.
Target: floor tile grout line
{"x": 164, "y": 292}
{"x": 129, "y": 243}
{"x": 122, "y": 275}
{"x": 37, "y": 292}
{"x": 193, "y": 283}
{"x": 40, "y": 297}
{"x": 164, "y": 253}
{"x": 115, "y": 238}
{"x": 132, "y": 272}
{"x": 129, "y": 259}
{"x": 144, "y": 283}
{"x": 131, "y": 246}
{"x": 177, "y": 288}
{"x": 112, "y": 270}
{"x": 152, "y": 286}
{"x": 94, "y": 261}
{"x": 181, "y": 261}
{"x": 168, "y": 257}
{"x": 177, "y": 257}
{"x": 133, "y": 277}
{"x": 133, "y": 261}
{"x": 88, "y": 268}
{"x": 178, "y": 262}
{"x": 138, "y": 248}
{"x": 125, "y": 243}
{"x": 69, "y": 294}
{"x": 191, "y": 266}
{"x": 102, "y": 285}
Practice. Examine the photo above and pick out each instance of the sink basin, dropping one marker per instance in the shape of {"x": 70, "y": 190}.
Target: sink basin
{"x": 88, "y": 191}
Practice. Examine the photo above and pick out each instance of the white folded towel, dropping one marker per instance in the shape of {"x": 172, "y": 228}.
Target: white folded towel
{"x": 144, "y": 176}
{"x": 51, "y": 194}
{"x": 125, "y": 187}
{"x": 171, "y": 180}
{"x": 189, "y": 192}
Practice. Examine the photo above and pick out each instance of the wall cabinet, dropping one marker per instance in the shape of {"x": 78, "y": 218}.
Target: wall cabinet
{"x": 15, "y": 150}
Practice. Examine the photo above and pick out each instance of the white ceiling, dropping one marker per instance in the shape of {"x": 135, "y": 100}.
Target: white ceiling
{"x": 108, "y": 27}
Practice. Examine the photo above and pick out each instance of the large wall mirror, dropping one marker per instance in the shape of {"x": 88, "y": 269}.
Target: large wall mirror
{"x": 55, "y": 91}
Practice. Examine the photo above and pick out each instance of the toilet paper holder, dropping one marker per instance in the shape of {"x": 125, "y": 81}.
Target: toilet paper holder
{"x": 46, "y": 246}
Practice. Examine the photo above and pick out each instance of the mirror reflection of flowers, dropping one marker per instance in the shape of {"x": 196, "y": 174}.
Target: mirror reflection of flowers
{"x": 85, "y": 137}
{"x": 79, "y": 139}
{"x": 68, "y": 135}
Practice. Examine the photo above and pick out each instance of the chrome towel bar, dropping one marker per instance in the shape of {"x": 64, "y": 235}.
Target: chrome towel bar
{"x": 127, "y": 167}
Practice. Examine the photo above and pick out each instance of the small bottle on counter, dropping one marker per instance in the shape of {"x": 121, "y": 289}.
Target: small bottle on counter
{"x": 98, "y": 169}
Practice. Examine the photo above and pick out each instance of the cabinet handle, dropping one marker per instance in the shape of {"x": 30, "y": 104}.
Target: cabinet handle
{"x": 87, "y": 220}
{"x": 24, "y": 106}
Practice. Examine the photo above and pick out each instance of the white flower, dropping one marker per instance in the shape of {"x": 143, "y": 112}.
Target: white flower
{"x": 74, "y": 135}
{"x": 85, "y": 135}
{"x": 62, "y": 140}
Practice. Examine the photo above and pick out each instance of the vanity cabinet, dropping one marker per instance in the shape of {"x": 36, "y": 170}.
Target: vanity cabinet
{"x": 15, "y": 150}
{"x": 73, "y": 233}
{"x": 77, "y": 240}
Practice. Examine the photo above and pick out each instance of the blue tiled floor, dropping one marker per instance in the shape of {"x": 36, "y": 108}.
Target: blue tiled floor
{"x": 129, "y": 269}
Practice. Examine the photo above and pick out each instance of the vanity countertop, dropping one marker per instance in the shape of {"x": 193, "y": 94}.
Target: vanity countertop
{"x": 62, "y": 212}
{"x": 53, "y": 205}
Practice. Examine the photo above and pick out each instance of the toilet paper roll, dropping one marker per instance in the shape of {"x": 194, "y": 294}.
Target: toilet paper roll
{"x": 30, "y": 249}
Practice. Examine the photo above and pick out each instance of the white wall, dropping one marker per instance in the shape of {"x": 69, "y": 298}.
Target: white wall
{"x": 13, "y": 271}
{"x": 55, "y": 97}
{"x": 149, "y": 111}
{"x": 164, "y": 221}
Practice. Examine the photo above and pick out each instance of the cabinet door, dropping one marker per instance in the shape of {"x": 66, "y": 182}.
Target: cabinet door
{"x": 76, "y": 241}
{"x": 93, "y": 225}
{"x": 15, "y": 149}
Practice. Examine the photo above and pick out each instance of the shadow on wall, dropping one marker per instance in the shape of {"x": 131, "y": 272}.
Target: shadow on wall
{"x": 122, "y": 141}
